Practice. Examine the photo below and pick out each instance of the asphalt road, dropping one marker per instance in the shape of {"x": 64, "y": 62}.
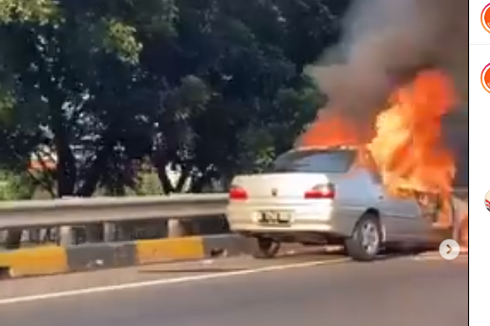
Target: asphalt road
{"x": 303, "y": 290}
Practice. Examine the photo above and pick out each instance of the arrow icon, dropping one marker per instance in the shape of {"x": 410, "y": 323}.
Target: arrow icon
{"x": 449, "y": 249}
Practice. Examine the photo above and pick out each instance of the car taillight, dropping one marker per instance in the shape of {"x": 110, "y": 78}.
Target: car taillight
{"x": 326, "y": 191}
{"x": 237, "y": 193}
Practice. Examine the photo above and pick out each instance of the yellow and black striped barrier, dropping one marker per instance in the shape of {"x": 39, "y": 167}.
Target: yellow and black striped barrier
{"x": 48, "y": 260}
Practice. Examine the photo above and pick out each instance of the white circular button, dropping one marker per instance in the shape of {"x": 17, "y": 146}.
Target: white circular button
{"x": 449, "y": 249}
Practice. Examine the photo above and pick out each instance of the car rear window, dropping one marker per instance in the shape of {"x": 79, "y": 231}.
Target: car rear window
{"x": 315, "y": 161}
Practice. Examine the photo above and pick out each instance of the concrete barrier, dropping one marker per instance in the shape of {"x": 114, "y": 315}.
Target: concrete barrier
{"x": 153, "y": 251}
{"x": 51, "y": 260}
{"x": 34, "y": 261}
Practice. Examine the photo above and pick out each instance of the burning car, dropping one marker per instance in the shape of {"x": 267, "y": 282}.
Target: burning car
{"x": 329, "y": 195}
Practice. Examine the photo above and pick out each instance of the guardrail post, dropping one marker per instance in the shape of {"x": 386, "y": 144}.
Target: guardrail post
{"x": 110, "y": 232}
{"x": 65, "y": 235}
{"x": 176, "y": 228}
{"x": 65, "y": 232}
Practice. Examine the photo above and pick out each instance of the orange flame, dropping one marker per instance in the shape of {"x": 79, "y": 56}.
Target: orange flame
{"x": 406, "y": 142}
{"x": 331, "y": 130}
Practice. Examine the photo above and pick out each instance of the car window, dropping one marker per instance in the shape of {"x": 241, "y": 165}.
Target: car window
{"x": 315, "y": 161}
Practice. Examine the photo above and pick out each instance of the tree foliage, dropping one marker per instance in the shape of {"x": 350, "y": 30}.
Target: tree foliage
{"x": 210, "y": 87}
{"x": 15, "y": 186}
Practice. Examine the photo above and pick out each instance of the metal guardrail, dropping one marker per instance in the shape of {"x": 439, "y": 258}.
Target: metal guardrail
{"x": 73, "y": 211}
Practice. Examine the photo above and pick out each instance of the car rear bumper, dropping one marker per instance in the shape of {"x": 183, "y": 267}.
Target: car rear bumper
{"x": 313, "y": 218}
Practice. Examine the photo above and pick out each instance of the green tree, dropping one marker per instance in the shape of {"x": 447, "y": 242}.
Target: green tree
{"x": 253, "y": 97}
{"x": 15, "y": 185}
{"x": 213, "y": 87}
{"x": 70, "y": 73}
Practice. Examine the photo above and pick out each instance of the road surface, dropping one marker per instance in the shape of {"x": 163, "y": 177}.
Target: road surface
{"x": 300, "y": 290}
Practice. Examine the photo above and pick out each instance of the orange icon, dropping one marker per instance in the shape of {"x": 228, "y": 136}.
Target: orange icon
{"x": 485, "y": 78}
{"x": 485, "y": 18}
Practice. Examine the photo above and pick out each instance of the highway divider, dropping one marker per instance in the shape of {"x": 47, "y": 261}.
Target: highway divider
{"x": 49, "y": 260}
{"x": 111, "y": 252}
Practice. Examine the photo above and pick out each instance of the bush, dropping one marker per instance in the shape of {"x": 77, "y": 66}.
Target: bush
{"x": 15, "y": 185}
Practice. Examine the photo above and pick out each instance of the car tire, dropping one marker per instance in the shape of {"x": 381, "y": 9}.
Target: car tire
{"x": 264, "y": 248}
{"x": 365, "y": 242}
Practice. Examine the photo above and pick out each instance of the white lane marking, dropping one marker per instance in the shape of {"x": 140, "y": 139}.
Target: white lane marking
{"x": 119, "y": 287}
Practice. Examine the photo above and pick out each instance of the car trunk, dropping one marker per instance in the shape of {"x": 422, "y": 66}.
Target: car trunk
{"x": 277, "y": 186}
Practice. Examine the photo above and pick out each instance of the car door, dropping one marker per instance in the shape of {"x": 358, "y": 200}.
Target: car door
{"x": 406, "y": 210}
{"x": 391, "y": 223}
{"x": 385, "y": 206}
{"x": 400, "y": 213}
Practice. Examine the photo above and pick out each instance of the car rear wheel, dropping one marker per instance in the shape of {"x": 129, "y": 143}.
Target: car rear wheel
{"x": 365, "y": 242}
{"x": 264, "y": 248}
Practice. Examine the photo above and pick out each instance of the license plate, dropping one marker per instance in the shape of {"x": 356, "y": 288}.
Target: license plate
{"x": 275, "y": 217}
